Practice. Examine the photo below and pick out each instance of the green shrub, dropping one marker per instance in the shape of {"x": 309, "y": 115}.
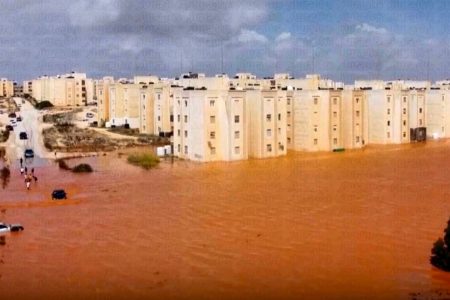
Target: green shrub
{"x": 440, "y": 253}
{"x": 144, "y": 160}
{"x": 82, "y": 168}
{"x": 43, "y": 104}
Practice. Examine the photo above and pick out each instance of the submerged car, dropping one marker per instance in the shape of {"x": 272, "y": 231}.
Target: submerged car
{"x": 23, "y": 135}
{"x": 10, "y": 227}
{"x": 59, "y": 194}
{"x": 29, "y": 153}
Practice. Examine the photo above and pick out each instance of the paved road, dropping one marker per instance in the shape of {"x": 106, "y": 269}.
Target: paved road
{"x": 32, "y": 126}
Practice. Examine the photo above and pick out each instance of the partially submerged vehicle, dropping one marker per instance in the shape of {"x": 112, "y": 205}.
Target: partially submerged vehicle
{"x": 59, "y": 194}
{"x": 10, "y": 228}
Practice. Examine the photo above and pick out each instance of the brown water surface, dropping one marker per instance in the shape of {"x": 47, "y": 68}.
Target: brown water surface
{"x": 307, "y": 226}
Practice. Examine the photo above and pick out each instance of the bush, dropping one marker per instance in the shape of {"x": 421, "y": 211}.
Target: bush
{"x": 82, "y": 168}
{"x": 63, "y": 165}
{"x": 440, "y": 253}
{"x": 144, "y": 160}
{"x": 4, "y": 136}
{"x": 43, "y": 104}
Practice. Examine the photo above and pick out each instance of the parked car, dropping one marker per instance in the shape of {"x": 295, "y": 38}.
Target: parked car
{"x": 12, "y": 115}
{"x": 9, "y": 128}
{"x": 19, "y": 119}
{"x": 29, "y": 153}
{"x": 23, "y": 135}
{"x": 89, "y": 115}
{"x": 10, "y": 227}
{"x": 59, "y": 194}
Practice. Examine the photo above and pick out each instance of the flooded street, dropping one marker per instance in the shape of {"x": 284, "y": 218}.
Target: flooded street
{"x": 307, "y": 226}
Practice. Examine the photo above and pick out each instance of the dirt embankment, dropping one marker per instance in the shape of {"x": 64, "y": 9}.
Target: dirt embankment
{"x": 69, "y": 138}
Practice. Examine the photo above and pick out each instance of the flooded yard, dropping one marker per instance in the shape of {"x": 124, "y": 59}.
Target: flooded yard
{"x": 307, "y": 226}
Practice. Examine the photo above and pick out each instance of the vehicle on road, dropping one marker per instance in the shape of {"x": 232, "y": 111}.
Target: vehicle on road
{"x": 9, "y": 128}
{"x": 23, "y": 135}
{"x": 12, "y": 115}
{"x": 59, "y": 194}
{"x": 89, "y": 115}
{"x": 19, "y": 119}
{"x": 29, "y": 153}
{"x": 10, "y": 228}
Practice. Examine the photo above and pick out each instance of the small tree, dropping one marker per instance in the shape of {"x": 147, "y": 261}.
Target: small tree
{"x": 440, "y": 253}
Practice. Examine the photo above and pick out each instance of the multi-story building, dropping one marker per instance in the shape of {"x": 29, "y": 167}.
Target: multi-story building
{"x": 72, "y": 89}
{"x": 124, "y": 104}
{"x": 437, "y": 111}
{"x": 6, "y": 88}
{"x": 102, "y": 94}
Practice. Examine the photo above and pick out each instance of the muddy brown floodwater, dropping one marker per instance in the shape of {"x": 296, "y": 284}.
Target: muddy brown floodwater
{"x": 348, "y": 225}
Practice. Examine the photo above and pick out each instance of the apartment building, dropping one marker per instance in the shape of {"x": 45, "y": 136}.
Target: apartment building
{"x": 124, "y": 98}
{"x": 155, "y": 109}
{"x": 437, "y": 111}
{"x": 210, "y": 125}
{"x": 72, "y": 89}
{"x": 103, "y": 101}
{"x": 28, "y": 87}
{"x": 6, "y": 88}
{"x": 266, "y": 114}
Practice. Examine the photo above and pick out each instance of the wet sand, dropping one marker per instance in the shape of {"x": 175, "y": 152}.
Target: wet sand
{"x": 307, "y": 226}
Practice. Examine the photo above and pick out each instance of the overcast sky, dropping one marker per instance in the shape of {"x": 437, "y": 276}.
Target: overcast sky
{"x": 342, "y": 40}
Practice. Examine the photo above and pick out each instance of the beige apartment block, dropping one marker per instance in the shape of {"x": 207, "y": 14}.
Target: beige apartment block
{"x": 355, "y": 121}
{"x": 146, "y": 109}
{"x": 28, "y": 87}
{"x": 310, "y": 82}
{"x": 266, "y": 114}
{"x": 388, "y": 114}
{"x": 124, "y": 104}
{"x": 197, "y": 81}
{"x": 210, "y": 125}
{"x": 437, "y": 112}
{"x": 102, "y": 93}
{"x": 72, "y": 89}
{"x": 6, "y": 87}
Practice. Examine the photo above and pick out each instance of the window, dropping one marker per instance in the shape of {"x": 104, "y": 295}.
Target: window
{"x": 159, "y": 96}
{"x": 212, "y": 119}
{"x": 288, "y": 114}
{"x": 388, "y": 123}
{"x": 315, "y": 128}
{"x": 237, "y": 150}
{"x": 389, "y": 99}
{"x": 213, "y": 150}
{"x": 357, "y": 113}
{"x": 179, "y": 148}
{"x": 357, "y": 139}
{"x": 269, "y": 147}
{"x": 315, "y": 141}
{"x": 185, "y": 102}
{"x": 288, "y": 101}
{"x": 268, "y": 117}
{"x": 269, "y": 132}
{"x": 389, "y": 111}
{"x": 185, "y": 119}
{"x": 212, "y": 135}
{"x": 236, "y": 119}
{"x": 236, "y": 134}
{"x": 159, "y": 118}
{"x": 334, "y": 114}
{"x": 404, "y": 134}
{"x": 335, "y": 141}
{"x": 316, "y": 101}
{"x": 211, "y": 103}
{"x": 178, "y": 132}
{"x": 289, "y": 140}
{"x": 404, "y": 111}
{"x": 388, "y": 135}
{"x": 334, "y": 101}
{"x": 420, "y": 110}
{"x": 279, "y": 117}
{"x": 178, "y": 118}
{"x": 420, "y": 121}
{"x": 185, "y": 149}
{"x": 185, "y": 133}
{"x": 404, "y": 99}
{"x": 357, "y": 100}
{"x": 404, "y": 123}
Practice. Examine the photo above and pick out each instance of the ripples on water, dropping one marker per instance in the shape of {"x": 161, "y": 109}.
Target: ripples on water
{"x": 332, "y": 225}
